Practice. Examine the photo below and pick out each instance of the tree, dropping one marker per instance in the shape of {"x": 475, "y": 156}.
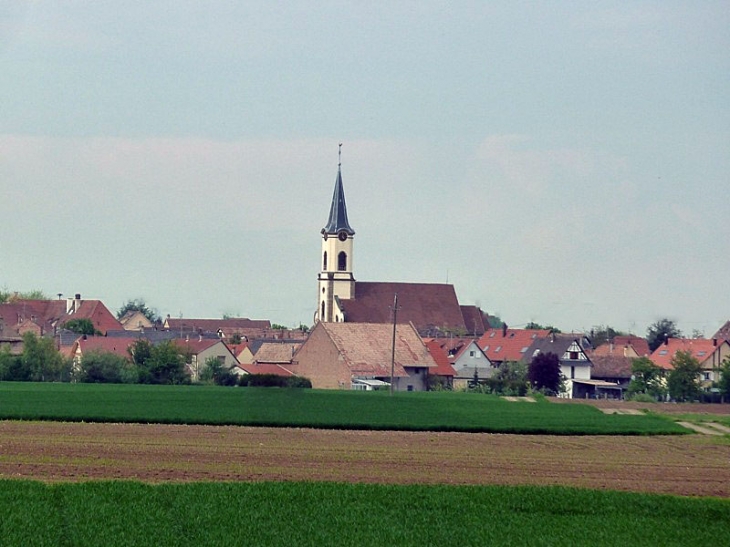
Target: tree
{"x": 213, "y": 371}
{"x": 659, "y": 331}
{"x": 601, "y": 334}
{"x": 104, "y": 367}
{"x": 81, "y": 326}
{"x": 510, "y": 379}
{"x": 34, "y": 294}
{"x": 537, "y": 326}
{"x": 646, "y": 377}
{"x": 544, "y": 373}
{"x": 41, "y": 360}
{"x": 11, "y": 369}
{"x": 138, "y": 305}
{"x": 724, "y": 383}
{"x": 684, "y": 379}
{"x": 166, "y": 365}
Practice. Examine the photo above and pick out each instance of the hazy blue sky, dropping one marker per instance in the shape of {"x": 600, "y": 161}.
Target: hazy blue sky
{"x": 562, "y": 162}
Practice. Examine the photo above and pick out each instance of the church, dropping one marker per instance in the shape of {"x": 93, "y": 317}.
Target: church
{"x": 432, "y": 308}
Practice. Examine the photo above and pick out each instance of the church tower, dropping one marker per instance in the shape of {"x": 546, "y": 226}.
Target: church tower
{"x": 335, "y": 277}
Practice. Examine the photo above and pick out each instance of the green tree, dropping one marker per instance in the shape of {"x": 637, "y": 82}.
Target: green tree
{"x": 544, "y": 373}
{"x": 81, "y": 326}
{"x": 103, "y": 367}
{"x": 34, "y": 294}
{"x": 646, "y": 377}
{"x": 138, "y": 305}
{"x": 683, "y": 382}
{"x": 214, "y": 372}
{"x": 510, "y": 379}
{"x": 10, "y": 366}
{"x": 166, "y": 365}
{"x": 724, "y": 383}
{"x": 537, "y": 326}
{"x": 601, "y": 334}
{"x": 41, "y": 360}
{"x": 659, "y": 331}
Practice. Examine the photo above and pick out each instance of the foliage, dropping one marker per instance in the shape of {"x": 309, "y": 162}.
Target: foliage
{"x": 165, "y": 365}
{"x": 105, "y": 367}
{"x": 495, "y": 321}
{"x": 236, "y": 338}
{"x": 544, "y": 373}
{"x": 537, "y": 326}
{"x": 11, "y": 368}
{"x": 214, "y": 372}
{"x": 641, "y": 398}
{"x": 10, "y": 296}
{"x": 321, "y": 513}
{"x": 81, "y": 326}
{"x": 684, "y": 379}
{"x": 659, "y": 331}
{"x": 303, "y": 327}
{"x": 328, "y": 409}
{"x": 41, "y": 361}
{"x": 273, "y": 380}
{"x": 510, "y": 379}
{"x": 724, "y": 383}
{"x": 646, "y": 378}
{"x": 140, "y": 351}
{"x": 139, "y": 305}
{"x": 601, "y": 334}
{"x": 276, "y": 326}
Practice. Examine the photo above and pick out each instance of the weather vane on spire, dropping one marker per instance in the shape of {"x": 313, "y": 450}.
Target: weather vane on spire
{"x": 339, "y": 156}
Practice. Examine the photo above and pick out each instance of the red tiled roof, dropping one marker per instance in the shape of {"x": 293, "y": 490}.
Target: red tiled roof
{"x": 95, "y": 311}
{"x": 212, "y": 325}
{"x": 276, "y": 353}
{"x": 428, "y": 306}
{"x": 195, "y": 345}
{"x": 640, "y": 345}
{"x": 501, "y": 345}
{"x": 443, "y": 367}
{"x": 117, "y": 346}
{"x": 700, "y": 348}
{"x": 611, "y": 366}
{"x": 50, "y": 313}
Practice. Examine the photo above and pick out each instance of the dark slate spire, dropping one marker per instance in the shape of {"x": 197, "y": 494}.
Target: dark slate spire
{"x": 338, "y": 210}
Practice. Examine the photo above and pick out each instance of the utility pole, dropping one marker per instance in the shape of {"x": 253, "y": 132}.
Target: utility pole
{"x": 392, "y": 354}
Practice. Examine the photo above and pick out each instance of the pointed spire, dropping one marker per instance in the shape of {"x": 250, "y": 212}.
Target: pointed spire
{"x": 338, "y": 210}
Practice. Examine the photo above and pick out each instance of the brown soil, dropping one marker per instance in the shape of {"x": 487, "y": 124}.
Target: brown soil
{"x": 50, "y": 451}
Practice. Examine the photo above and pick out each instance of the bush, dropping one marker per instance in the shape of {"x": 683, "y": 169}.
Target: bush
{"x": 273, "y": 380}
{"x": 641, "y": 398}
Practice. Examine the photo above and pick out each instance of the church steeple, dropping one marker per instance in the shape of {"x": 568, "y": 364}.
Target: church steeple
{"x": 338, "y": 210}
{"x": 336, "y": 281}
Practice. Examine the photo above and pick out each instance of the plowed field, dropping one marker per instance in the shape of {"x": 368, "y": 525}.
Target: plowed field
{"x": 51, "y": 451}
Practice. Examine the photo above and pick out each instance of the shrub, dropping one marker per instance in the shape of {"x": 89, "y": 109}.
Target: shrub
{"x": 273, "y": 380}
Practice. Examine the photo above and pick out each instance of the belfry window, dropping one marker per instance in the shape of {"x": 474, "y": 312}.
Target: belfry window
{"x": 342, "y": 261}
{"x": 322, "y": 317}
{"x": 324, "y": 262}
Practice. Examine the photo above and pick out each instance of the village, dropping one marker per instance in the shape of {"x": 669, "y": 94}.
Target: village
{"x": 366, "y": 336}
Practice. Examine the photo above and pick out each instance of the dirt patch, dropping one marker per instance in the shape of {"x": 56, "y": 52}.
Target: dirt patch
{"x": 700, "y": 429}
{"x": 49, "y": 451}
{"x": 661, "y": 408}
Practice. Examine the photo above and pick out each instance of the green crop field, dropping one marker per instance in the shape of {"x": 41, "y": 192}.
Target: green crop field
{"x": 128, "y": 513}
{"x": 435, "y": 411}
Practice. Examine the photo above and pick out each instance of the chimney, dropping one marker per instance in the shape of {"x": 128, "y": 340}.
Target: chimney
{"x": 666, "y": 340}
{"x": 552, "y": 337}
{"x": 714, "y": 342}
{"x": 504, "y": 330}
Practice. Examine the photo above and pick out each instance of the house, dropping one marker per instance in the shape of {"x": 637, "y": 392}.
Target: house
{"x": 627, "y": 345}
{"x": 46, "y": 317}
{"x": 223, "y": 328}
{"x": 443, "y": 374}
{"x": 709, "y": 353}
{"x": 135, "y": 320}
{"x": 276, "y": 353}
{"x": 432, "y": 308}
{"x": 723, "y": 333}
{"x": 361, "y": 356}
{"x": 197, "y": 351}
{"x": 575, "y": 365}
{"x": 505, "y": 344}
{"x": 466, "y": 359}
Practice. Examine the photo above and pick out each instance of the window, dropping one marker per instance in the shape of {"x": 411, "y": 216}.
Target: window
{"x": 572, "y": 372}
{"x": 498, "y": 348}
{"x": 221, "y": 359}
{"x": 321, "y": 317}
{"x": 573, "y": 355}
{"x": 471, "y": 354}
{"x": 706, "y": 375}
{"x": 410, "y": 387}
{"x": 342, "y": 261}
{"x": 324, "y": 262}
{"x": 523, "y": 350}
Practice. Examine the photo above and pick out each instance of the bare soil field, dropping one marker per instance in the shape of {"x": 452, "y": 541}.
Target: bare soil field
{"x": 696, "y": 465}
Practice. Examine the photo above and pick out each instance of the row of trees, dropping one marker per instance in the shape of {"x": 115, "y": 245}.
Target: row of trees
{"x": 682, "y": 383}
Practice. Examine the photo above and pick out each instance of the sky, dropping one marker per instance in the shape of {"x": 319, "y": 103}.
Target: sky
{"x": 566, "y": 163}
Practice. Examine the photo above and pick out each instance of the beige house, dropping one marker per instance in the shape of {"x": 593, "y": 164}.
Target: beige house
{"x": 135, "y": 320}
{"x": 198, "y": 351}
{"x": 359, "y": 356}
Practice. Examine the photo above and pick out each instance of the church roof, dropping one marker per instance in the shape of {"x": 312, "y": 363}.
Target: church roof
{"x": 429, "y": 306}
{"x": 337, "y": 221}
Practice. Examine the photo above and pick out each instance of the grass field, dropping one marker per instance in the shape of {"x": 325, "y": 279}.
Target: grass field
{"x": 434, "y": 411}
{"x": 129, "y": 513}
